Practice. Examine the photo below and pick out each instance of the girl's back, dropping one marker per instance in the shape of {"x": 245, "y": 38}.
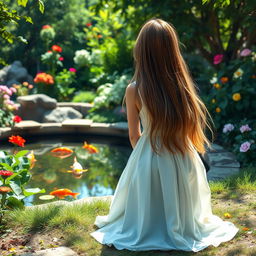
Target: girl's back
{"x": 162, "y": 200}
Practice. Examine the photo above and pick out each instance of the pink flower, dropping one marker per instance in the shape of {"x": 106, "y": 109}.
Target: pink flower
{"x": 13, "y": 89}
{"x": 217, "y": 59}
{"x": 228, "y": 128}
{"x": 245, "y": 146}
{"x": 61, "y": 58}
{"x": 245, "y": 128}
{"x": 72, "y": 70}
{"x": 245, "y": 52}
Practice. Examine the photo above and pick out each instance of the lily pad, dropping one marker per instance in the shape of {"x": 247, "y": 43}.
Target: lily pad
{"x": 46, "y": 197}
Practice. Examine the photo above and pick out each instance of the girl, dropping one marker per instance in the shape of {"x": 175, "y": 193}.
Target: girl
{"x": 162, "y": 200}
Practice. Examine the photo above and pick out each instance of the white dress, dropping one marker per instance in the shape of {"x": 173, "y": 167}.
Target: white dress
{"x": 162, "y": 202}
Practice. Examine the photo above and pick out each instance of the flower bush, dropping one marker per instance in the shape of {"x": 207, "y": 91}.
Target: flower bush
{"x": 231, "y": 99}
{"x": 233, "y": 90}
{"x": 7, "y": 106}
{"x": 14, "y": 177}
{"x": 111, "y": 94}
{"x": 241, "y": 139}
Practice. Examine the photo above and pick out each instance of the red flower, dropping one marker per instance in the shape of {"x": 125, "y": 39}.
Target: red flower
{"x": 46, "y": 27}
{"x": 18, "y": 140}
{"x": 89, "y": 24}
{"x": 5, "y": 189}
{"x": 49, "y": 51}
{"x": 72, "y": 70}
{"x": 61, "y": 58}
{"x": 56, "y": 48}
{"x": 6, "y": 173}
{"x": 17, "y": 119}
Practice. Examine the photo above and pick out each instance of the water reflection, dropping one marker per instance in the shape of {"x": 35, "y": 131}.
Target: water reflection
{"x": 50, "y": 172}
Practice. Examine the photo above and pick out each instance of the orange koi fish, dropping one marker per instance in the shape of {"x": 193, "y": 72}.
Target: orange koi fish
{"x": 90, "y": 148}
{"x": 77, "y": 169}
{"x": 32, "y": 159}
{"x": 63, "y": 192}
{"x": 62, "y": 152}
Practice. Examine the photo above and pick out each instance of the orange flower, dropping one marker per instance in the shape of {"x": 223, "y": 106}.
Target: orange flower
{"x": 44, "y": 78}
{"x": 217, "y": 86}
{"x": 63, "y": 192}
{"x": 218, "y": 110}
{"x": 224, "y": 79}
{"x": 56, "y": 48}
{"x": 245, "y": 229}
{"x": 18, "y": 140}
{"x": 90, "y": 148}
{"x": 5, "y": 189}
{"x": 254, "y": 76}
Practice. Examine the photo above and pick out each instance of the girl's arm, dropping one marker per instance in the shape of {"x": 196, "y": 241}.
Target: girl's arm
{"x": 132, "y": 114}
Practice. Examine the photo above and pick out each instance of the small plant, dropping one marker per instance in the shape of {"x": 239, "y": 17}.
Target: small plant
{"x": 14, "y": 177}
{"x": 84, "y": 96}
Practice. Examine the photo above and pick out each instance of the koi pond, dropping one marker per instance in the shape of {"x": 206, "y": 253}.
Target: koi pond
{"x": 102, "y": 162}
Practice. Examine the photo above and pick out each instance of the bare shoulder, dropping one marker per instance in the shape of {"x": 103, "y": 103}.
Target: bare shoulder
{"x": 131, "y": 89}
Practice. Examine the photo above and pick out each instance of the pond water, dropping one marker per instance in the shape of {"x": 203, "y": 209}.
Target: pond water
{"x": 50, "y": 172}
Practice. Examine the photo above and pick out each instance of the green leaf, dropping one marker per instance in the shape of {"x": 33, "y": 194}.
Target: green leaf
{"x": 15, "y": 187}
{"x": 6, "y": 166}
{"x": 41, "y": 6}
{"x": 32, "y": 191}
{"x": 21, "y": 153}
{"x": 14, "y": 202}
{"x": 22, "y": 2}
{"x": 28, "y": 19}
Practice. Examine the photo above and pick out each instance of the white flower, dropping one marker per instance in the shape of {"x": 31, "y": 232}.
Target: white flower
{"x": 82, "y": 58}
{"x": 214, "y": 80}
{"x": 228, "y": 128}
{"x": 238, "y": 73}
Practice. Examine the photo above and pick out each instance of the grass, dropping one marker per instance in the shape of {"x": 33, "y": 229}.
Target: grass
{"x": 235, "y": 195}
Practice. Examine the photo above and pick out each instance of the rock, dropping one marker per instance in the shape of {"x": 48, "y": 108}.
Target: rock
{"x": 58, "y": 115}
{"x": 59, "y": 251}
{"x": 3, "y": 74}
{"x": 33, "y": 107}
{"x": 15, "y": 74}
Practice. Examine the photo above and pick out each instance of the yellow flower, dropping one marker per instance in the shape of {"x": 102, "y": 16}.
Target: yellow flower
{"x": 213, "y": 100}
{"x": 227, "y": 215}
{"x": 218, "y": 110}
{"x": 216, "y": 85}
{"x": 236, "y": 96}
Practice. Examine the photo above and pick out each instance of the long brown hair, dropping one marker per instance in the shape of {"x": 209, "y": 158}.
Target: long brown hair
{"x": 177, "y": 115}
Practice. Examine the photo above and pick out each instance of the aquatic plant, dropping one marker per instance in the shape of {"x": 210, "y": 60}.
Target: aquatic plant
{"x": 14, "y": 177}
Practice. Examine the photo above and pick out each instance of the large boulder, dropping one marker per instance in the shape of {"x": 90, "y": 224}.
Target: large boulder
{"x": 15, "y": 74}
{"x": 34, "y": 107}
{"x": 58, "y": 115}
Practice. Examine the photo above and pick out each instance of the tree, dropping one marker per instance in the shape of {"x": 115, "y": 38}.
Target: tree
{"x": 210, "y": 26}
{"x": 10, "y": 16}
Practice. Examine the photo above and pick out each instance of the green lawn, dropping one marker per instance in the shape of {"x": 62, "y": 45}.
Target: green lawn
{"x": 71, "y": 225}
